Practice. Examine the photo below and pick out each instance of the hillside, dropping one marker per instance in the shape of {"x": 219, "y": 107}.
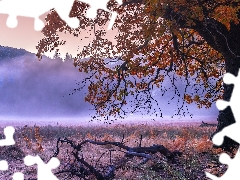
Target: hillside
{"x": 10, "y": 53}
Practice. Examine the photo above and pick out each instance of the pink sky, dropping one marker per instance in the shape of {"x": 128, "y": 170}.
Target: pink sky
{"x": 24, "y": 36}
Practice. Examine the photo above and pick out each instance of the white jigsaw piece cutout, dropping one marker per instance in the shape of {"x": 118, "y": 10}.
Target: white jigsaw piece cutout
{"x": 233, "y": 167}
{"x": 100, "y": 4}
{"x": 3, "y": 165}
{"x": 35, "y": 8}
{"x": 232, "y": 131}
{"x": 8, "y": 132}
{"x": 18, "y": 176}
{"x": 44, "y": 170}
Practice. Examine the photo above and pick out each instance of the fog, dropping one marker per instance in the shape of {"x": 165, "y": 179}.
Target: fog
{"x": 32, "y": 89}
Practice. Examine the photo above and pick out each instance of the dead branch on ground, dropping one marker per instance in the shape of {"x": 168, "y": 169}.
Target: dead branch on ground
{"x": 84, "y": 170}
{"x": 207, "y": 124}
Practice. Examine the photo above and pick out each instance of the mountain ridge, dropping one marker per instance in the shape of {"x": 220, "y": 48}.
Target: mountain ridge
{"x": 7, "y": 52}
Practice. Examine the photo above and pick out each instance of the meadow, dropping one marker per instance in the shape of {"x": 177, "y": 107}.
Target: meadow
{"x": 189, "y": 144}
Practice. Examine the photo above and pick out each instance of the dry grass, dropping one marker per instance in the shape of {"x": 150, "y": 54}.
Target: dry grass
{"x": 198, "y": 154}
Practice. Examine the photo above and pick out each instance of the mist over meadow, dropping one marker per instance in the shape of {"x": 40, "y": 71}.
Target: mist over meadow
{"x": 34, "y": 89}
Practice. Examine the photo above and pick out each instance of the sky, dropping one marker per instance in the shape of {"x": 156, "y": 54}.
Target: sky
{"x": 39, "y": 89}
{"x": 24, "y": 36}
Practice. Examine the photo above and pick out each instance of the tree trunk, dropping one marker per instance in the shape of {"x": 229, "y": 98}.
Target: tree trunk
{"x": 226, "y": 117}
{"x": 227, "y": 42}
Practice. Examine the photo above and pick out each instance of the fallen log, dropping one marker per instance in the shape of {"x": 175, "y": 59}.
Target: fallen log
{"x": 207, "y": 125}
{"x": 130, "y": 152}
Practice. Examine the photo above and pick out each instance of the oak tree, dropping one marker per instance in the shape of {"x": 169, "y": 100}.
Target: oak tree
{"x": 155, "y": 39}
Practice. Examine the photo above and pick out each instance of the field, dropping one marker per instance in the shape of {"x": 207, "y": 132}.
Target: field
{"x": 192, "y": 151}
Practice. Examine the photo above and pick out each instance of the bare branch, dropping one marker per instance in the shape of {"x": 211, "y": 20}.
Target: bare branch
{"x": 87, "y": 169}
